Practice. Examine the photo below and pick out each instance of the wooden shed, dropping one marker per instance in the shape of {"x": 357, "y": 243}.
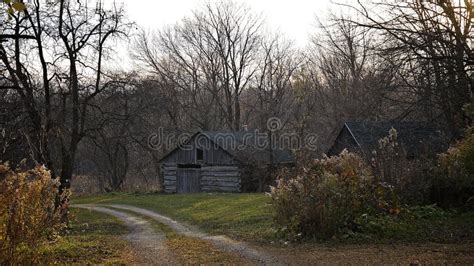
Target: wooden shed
{"x": 214, "y": 161}
{"x": 417, "y": 138}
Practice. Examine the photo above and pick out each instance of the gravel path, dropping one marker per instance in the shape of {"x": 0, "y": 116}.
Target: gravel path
{"x": 222, "y": 242}
{"x": 148, "y": 246}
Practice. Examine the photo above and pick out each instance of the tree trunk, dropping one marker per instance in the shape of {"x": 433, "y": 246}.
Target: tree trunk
{"x": 236, "y": 113}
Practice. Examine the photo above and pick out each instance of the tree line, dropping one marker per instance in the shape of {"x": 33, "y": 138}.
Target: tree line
{"x": 219, "y": 68}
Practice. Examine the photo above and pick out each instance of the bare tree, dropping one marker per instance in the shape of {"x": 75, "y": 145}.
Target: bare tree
{"x": 272, "y": 90}
{"x": 342, "y": 79}
{"x": 431, "y": 43}
{"x": 68, "y": 41}
{"x": 209, "y": 60}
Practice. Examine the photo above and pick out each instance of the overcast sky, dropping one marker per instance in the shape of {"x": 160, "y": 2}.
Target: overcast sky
{"x": 296, "y": 19}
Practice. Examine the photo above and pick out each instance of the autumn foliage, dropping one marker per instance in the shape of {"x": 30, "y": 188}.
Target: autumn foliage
{"x": 29, "y": 213}
{"x": 327, "y": 196}
{"x": 454, "y": 183}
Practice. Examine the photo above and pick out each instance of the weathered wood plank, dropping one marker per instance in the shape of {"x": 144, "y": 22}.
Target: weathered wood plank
{"x": 222, "y": 189}
{"x": 212, "y": 153}
{"x": 209, "y": 173}
{"x": 234, "y": 180}
{"x": 233, "y": 167}
{"x": 222, "y": 178}
{"x": 173, "y": 172}
{"x": 220, "y": 168}
{"x": 220, "y": 174}
{"x": 222, "y": 185}
{"x": 169, "y": 172}
{"x": 188, "y": 180}
{"x": 216, "y": 179}
{"x": 209, "y": 177}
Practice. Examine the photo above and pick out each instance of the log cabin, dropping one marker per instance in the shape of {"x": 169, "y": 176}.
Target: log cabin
{"x": 217, "y": 161}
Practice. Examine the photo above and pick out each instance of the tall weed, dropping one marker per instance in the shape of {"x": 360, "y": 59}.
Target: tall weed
{"x": 454, "y": 181}
{"x": 29, "y": 213}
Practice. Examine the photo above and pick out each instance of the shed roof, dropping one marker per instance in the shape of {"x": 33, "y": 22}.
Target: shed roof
{"x": 416, "y": 137}
{"x": 245, "y": 146}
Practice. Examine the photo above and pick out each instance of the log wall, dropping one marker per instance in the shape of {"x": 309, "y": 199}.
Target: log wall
{"x": 212, "y": 178}
{"x": 169, "y": 176}
{"x": 220, "y": 178}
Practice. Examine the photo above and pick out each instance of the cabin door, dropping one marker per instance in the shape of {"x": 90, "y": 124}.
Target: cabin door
{"x": 188, "y": 180}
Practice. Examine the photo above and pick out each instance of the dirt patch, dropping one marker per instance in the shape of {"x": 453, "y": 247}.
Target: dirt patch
{"x": 380, "y": 254}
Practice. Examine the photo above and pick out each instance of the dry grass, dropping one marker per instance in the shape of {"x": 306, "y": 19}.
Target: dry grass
{"x": 194, "y": 251}
{"x": 95, "y": 238}
{"x": 380, "y": 254}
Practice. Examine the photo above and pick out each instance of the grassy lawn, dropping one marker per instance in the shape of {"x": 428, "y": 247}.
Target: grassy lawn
{"x": 241, "y": 216}
{"x": 94, "y": 239}
{"x": 249, "y": 217}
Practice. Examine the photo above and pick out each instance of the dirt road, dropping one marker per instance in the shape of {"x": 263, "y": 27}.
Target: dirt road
{"x": 149, "y": 244}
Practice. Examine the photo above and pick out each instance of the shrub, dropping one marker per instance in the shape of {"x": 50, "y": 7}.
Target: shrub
{"x": 327, "y": 196}
{"x": 411, "y": 179}
{"x": 28, "y": 213}
{"x": 454, "y": 183}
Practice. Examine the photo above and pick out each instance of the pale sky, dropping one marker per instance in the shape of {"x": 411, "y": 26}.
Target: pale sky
{"x": 295, "y": 19}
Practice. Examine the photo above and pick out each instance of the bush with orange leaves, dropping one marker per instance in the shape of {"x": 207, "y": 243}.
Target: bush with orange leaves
{"x": 29, "y": 215}
{"x": 326, "y": 197}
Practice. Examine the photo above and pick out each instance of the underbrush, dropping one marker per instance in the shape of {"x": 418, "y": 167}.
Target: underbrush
{"x": 29, "y": 214}
{"x": 327, "y": 196}
{"x": 386, "y": 197}
{"x": 414, "y": 224}
{"x": 454, "y": 182}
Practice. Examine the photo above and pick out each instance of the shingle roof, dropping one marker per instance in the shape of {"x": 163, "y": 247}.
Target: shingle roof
{"x": 416, "y": 137}
{"x": 252, "y": 145}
